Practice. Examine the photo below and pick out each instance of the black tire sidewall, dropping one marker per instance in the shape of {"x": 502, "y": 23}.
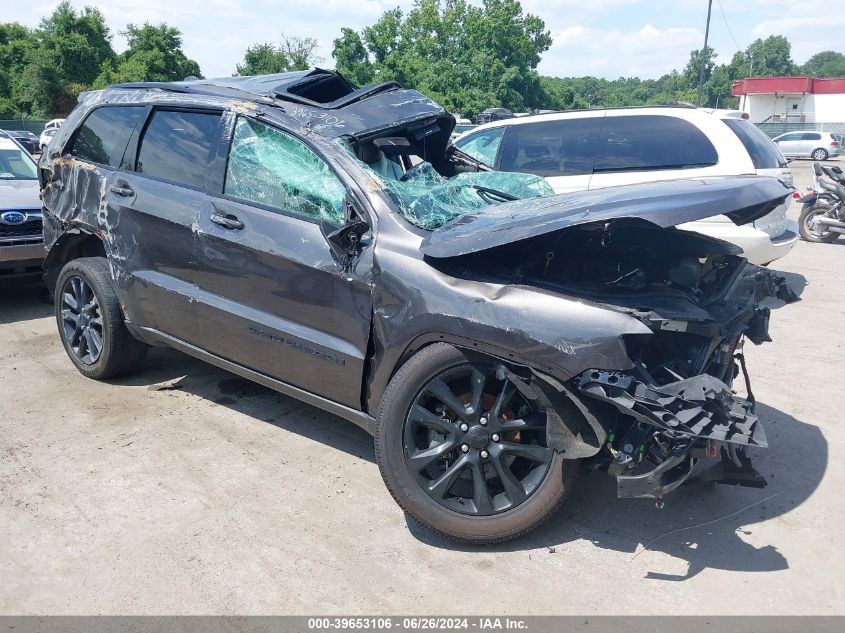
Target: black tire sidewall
{"x": 808, "y": 236}
{"x": 82, "y": 268}
{"x": 390, "y": 454}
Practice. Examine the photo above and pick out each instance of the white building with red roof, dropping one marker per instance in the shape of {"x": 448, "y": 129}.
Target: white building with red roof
{"x": 792, "y": 99}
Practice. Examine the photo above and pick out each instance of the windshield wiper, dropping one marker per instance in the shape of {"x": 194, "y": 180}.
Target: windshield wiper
{"x": 493, "y": 195}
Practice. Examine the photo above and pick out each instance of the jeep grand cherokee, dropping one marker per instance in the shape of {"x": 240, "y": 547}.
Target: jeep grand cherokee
{"x": 319, "y": 239}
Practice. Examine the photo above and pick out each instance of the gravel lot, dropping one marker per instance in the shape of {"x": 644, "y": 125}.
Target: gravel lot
{"x": 219, "y": 496}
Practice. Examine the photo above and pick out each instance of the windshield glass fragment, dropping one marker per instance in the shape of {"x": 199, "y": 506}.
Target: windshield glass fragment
{"x": 430, "y": 200}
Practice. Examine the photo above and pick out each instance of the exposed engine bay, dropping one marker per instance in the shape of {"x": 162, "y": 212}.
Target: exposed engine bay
{"x": 652, "y": 422}
{"x": 700, "y": 299}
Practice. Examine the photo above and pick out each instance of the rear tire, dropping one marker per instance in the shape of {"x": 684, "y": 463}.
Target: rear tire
{"x": 91, "y": 323}
{"x": 806, "y": 231}
{"x": 819, "y": 154}
{"x": 458, "y": 512}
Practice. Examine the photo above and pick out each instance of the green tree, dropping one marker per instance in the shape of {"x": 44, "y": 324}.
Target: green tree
{"x": 351, "y": 56}
{"x": 693, "y": 68}
{"x": 465, "y": 56}
{"x": 262, "y": 59}
{"x": 154, "y": 53}
{"x": 16, "y": 43}
{"x": 771, "y": 57}
{"x": 293, "y": 53}
{"x": 46, "y": 68}
{"x": 301, "y": 52}
{"x": 825, "y": 64}
{"x": 79, "y": 43}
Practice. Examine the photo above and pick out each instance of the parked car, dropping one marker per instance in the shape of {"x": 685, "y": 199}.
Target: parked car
{"x": 461, "y": 127}
{"x": 490, "y": 334}
{"x": 813, "y": 144}
{"x": 27, "y": 140}
{"x": 21, "y": 241}
{"x": 46, "y": 137}
{"x": 495, "y": 114}
{"x": 54, "y": 124}
{"x": 591, "y": 149}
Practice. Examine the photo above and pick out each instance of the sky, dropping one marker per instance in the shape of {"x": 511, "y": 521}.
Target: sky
{"x": 604, "y": 38}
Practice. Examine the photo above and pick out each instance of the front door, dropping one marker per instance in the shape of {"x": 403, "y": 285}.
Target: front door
{"x": 275, "y": 299}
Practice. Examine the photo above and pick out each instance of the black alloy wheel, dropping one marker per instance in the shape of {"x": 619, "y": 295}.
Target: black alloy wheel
{"x": 90, "y": 321}
{"x": 474, "y": 443}
{"x": 82, "y": 320}
{"x": 461, "y": 445}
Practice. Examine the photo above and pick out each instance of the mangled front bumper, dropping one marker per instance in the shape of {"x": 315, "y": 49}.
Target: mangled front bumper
{"x": 694, "y": 417}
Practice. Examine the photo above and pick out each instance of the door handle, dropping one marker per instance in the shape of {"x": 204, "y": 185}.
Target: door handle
{"x": 227, "y": 221}
{"x": 122, "y": 190}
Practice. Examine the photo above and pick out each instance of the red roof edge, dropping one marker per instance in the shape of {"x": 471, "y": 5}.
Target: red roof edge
{"x": 788, "y": 85}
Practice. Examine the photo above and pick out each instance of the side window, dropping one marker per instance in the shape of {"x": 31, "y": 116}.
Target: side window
{"x": 650, "y": 142}
{"x": 811, "y": 136}
{"x": 482, "y": 146}
{"x": 276, "y": 170}
{"x": 176, "y": 145}
{"x": 790, "y": 137}
{"x": 552, "y": 148}
{"x": 102, "y": 138}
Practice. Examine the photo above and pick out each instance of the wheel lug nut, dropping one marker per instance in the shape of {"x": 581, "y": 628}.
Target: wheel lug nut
{"x": 484, "y": 454}
{"x": 465, "y": 448}
{"x": 483, "y": 421}
{"x": 464, "y": 427}
{"x": 495, "y": 437}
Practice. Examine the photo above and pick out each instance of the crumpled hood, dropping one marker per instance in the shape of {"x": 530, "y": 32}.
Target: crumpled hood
{"x": 668, "y": 203}
{"x": 19, "y": 194}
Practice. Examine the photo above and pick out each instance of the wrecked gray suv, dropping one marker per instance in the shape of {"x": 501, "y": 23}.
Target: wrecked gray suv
{"x": 320, "y": 239}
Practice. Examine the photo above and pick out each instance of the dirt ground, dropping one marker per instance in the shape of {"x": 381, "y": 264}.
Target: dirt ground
{"x": 219, "y": 496}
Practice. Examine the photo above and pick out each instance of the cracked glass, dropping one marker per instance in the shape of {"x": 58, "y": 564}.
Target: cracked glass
{"x": 275, "y": 170}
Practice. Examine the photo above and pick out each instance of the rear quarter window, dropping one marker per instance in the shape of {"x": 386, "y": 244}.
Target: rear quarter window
{"x": 103, "y": 136}
{"x": 652, "y": 142}
{"x": 760, "y": 148}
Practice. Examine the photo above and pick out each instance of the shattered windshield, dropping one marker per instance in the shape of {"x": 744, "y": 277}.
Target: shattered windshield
{"x": 430, "y": 200}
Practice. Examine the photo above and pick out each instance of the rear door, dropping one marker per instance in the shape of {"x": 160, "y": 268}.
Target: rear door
{"x": 644, "y": 148}
{"x": 158, "y": 206}
{"x": 560, "y": 150}
{"x": 76, "y": 186}
{"x": 273, "y": 298}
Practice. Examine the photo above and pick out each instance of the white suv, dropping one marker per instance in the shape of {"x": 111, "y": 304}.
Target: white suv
{"x": 592, "y": 149}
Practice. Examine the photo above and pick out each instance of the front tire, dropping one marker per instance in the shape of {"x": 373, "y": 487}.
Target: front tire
{"x": 461, "y": 445}
{"x": 819, "y": 154}
{"x": 91, "y": 323}
{"x": 806, "y": 229}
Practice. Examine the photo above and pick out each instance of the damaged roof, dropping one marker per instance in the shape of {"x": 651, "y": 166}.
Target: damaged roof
{"x": 326, "y": 101}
